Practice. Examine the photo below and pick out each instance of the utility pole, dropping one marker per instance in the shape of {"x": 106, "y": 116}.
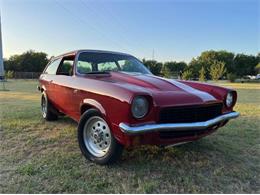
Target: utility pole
{"x": 153, "y": 55}
{"x": 2, "y": 73}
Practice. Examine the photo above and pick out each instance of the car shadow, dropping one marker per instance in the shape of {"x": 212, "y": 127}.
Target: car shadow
{"x": 204, "y": 151}
{"x": 67, "y": 121}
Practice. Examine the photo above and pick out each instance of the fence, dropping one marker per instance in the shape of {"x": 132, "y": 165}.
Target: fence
{"x": 172, "y": 75}
{"x": 26, "y": 75}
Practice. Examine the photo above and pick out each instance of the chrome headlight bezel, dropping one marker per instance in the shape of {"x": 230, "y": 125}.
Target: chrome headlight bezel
{"x": 229, "y": 101}
{"x": 139, "y": 107}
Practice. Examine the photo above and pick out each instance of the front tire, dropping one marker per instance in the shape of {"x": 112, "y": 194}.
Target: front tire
{"x": 47, "y": 109}
{"x": 96, "y": 141}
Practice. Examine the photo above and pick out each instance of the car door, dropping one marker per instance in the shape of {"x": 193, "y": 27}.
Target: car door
{"x": 48, "y": 77}
{"x": 65, "y": 87}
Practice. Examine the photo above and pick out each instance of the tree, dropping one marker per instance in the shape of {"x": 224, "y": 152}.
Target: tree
{"x": 194, "y": 66}
{"x": 206, "y": 60}
{"x": 257, "y": 68}
{"x": 217, "y": 70}
{"x": 187, "y": 75}
{"x": 166, "y": 72}
{"x": 29, "y": 61}
{"x": 154, "y": 66}
{"x": 202, "y": 74}
{"x": 231, "y": 77}
{"x": 173, "y": 68}
{"x": 245, "y": 64}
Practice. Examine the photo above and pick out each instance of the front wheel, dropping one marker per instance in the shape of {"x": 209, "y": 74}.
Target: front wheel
{"x": 96, "y": 141}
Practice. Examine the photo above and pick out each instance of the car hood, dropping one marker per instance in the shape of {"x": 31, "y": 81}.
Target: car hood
{"x": 165, "y": 92}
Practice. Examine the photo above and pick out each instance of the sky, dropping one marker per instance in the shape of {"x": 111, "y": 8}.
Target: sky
{"x": 157, "y": 29}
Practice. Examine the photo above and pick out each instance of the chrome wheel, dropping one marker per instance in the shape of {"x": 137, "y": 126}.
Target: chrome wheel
{"x": 97, "y": 136}
{"x": 44, "y": 107}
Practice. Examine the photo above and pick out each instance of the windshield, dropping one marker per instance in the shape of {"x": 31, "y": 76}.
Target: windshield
{"x": 94, "y": 62}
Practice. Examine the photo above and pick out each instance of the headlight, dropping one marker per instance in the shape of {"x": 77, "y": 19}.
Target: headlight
{"x": 140, "y": 107}
{"x": 229, "y": 99}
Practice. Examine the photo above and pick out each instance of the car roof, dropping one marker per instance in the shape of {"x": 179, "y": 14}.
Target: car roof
{"x": 88, "y": 50}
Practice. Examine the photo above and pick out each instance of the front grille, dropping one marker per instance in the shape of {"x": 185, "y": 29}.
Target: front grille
{"x": 189, "y": 114}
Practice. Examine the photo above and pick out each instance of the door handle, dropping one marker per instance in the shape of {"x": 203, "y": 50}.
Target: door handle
{"x": 50, "y": 81}
{"x": 75, "y": 91}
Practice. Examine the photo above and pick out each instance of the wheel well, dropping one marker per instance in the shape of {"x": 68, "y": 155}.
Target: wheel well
{"x": 85, "y": 107}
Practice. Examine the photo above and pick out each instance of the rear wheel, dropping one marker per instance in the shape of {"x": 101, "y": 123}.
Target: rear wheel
{"x": 96, "y": 141}
{"x": 47, "y": 109}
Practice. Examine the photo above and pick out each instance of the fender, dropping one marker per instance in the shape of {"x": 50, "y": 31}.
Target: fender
{"x": 41, "y": 88}
{"x": 217, "y": 91}
{"x": 94, "y": 103}
{"x": 99, "y": 107}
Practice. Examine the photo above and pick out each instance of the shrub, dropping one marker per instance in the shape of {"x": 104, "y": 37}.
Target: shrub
{"x": 166, "y": 72}
{"x": 202, "y": 74}
{"x": 9, "y": 74}
{"x": 217, "y": 70}
{"x": 257, "y": 68}
{"x": 231, "y": 77}
{"x": 154, "y": 66}
{"x": 186, "y": 75}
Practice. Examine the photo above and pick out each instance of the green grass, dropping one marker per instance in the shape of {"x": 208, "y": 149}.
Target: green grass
{"x": 43, "y": 157}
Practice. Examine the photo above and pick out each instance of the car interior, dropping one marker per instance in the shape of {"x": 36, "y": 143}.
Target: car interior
{"x": 66, "y": 66}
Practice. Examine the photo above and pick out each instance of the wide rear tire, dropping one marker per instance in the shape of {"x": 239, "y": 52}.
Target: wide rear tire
{"x": 47, "y": 109}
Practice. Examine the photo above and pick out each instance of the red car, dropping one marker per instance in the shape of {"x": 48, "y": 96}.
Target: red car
{"x": 119, "y": 103}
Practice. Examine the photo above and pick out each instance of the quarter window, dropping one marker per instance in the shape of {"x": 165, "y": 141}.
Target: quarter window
{"x": 66, "y": 68}
{"x": 52, "y": 67}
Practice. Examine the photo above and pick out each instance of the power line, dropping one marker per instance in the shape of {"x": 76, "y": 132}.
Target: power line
{"x": 119, "y": 25}
{"x": 104, "y": 20}
{"x": 79, "y": 19}
{"x": 122, "y": 27}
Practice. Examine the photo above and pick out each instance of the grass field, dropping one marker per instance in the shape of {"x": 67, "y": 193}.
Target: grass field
{"x": 43, "y": 157}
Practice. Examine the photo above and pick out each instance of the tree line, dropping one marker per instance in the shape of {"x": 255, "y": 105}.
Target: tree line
{"x": 29, "y": 61}
{"x": 208, "y": 65}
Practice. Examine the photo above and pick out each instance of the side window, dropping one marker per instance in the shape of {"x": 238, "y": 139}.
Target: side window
{"x": 66, "y": 67}
{"x": 107, "y": 66}
{"x": 52, "y": 67}
{"x": 84, "y": 67}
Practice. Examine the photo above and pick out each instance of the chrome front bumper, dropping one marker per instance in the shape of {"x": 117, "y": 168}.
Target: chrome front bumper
{"x": 133, "y": 130}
